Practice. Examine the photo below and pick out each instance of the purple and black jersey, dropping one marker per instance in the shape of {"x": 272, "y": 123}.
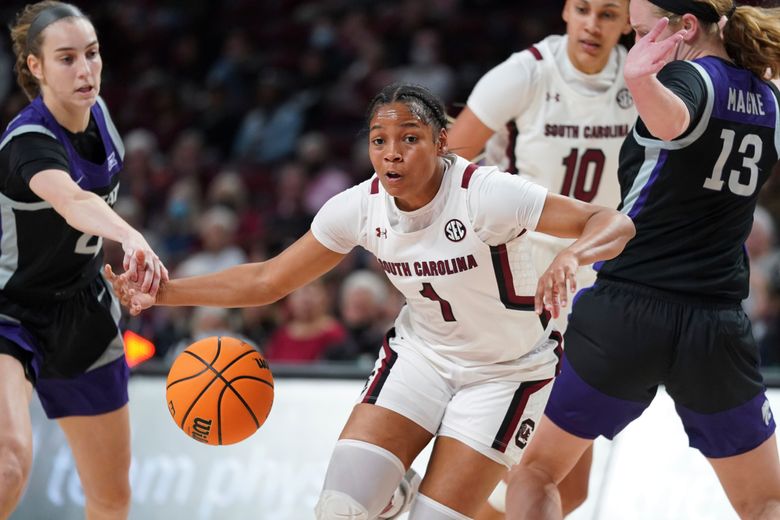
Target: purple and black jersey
{"x": 42, "y": 258}
{"x": 692, "y": 199}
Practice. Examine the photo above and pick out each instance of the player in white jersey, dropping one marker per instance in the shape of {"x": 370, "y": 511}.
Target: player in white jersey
{"x": 473, "y": 352}
{"x": 556, "y": 113}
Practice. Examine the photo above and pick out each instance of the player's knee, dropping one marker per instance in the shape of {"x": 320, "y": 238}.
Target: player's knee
{"x": 109, "y": 500}
{"x": 335, "y": 505}
{"x": 763, "y": 509}
{"x": 573, "y": 494}
{"x": 15, "y": 463}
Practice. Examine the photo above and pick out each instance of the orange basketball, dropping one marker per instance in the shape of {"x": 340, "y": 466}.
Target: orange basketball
{"x": 220, "y": 390}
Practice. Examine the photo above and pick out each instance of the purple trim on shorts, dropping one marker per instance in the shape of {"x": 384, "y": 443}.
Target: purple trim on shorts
{"x": 581, "y": 410}
{"x": 23, "y": 339}
{"x": 729, "y": 433}
{"x": 98, "y": 391}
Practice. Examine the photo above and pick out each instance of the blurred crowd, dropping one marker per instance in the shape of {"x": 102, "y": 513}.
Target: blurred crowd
{"x": 242, "y": 117}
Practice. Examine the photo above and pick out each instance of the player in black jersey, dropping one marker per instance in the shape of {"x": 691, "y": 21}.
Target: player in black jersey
{"x": 667, "y": 309}
{"x": 59, "y": 165}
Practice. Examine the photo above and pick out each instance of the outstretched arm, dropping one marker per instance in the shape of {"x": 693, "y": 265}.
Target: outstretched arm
{"x": 241, "y": 286}
{"x": 664, "y": 113}
{"x": 87, "y": 212}
{"x": 601, "y": 233}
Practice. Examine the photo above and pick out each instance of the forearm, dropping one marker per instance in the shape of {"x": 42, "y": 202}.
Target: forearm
{"x": 254, "y": 284}
{"x": 240, "y": 286}
{"x": 90, "y": 214}
{"x": 664, "y": 114}
{"x": 603, "y": 237}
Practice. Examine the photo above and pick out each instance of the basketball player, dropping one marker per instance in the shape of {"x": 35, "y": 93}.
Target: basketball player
{"x": 59, "y": 164}
{"x": 557, "y": 114}
{"x": 667, "y": 310}
{"x": 469, "y": 361}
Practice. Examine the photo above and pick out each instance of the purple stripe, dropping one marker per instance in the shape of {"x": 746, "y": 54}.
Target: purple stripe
{"x": 24, "y": 339}
{"x": 738, "y": 83}
{"x": 732, "y": 432}
{"x": 581, "y": 410}
{"x": 98, "y": 391}
{"x": 642, "y": 199}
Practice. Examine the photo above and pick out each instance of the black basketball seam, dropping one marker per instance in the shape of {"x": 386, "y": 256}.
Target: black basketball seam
{"x": 206, "y": 365}
{"x": 240, "y": 398}
{"x": 218, "y": 374}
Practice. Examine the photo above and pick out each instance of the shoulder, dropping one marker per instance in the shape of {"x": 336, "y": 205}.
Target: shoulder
{"x": 33, "y": 141}
{"x": 682, "y": 70}
{"x": 352, "y": 201}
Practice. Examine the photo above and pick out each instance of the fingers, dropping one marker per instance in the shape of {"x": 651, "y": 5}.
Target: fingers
{"x": 657, "y": 29}
{"x": 148, "y": 274}
{"x": 553, "y": 290}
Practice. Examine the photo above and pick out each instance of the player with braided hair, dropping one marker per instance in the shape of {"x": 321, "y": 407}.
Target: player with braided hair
{"x": 472, "y": 354}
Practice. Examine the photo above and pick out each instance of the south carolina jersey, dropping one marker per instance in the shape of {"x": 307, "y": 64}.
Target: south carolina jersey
{"x": 692, "y": 199}
{"x": 563, "y": 139}
{"x": 41, "y": 256}
{"x": 466, "y": 300}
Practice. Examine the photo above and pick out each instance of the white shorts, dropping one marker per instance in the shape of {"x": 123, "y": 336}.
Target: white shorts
{"x": 493, "y": 409}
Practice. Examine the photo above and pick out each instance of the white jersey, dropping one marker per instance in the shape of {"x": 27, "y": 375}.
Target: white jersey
{"x": 467, "y": 279}
{"x": 561, "y": 138}
{"x": 564, "y": 138}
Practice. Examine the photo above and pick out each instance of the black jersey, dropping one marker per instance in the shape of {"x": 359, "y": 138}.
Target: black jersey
{"x": 692, "y": 199}
{"x": 41, "y": 256}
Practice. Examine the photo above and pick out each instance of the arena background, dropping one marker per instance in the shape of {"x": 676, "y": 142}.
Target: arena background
{"x": 240, "y": 119}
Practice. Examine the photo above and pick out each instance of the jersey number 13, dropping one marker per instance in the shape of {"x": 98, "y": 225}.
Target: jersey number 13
{"x": 750, "y": 148}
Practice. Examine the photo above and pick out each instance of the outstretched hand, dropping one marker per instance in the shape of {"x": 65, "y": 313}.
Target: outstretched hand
{"x": 556, "y": 283}
{"x": 128, "y": 291}
{"x": 142, "y": 265}
{"x": 650, "y": 53}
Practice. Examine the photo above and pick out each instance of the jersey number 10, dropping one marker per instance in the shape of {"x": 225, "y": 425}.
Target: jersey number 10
{"x": 577, "y": 168}
{"x": 716, "y": 182}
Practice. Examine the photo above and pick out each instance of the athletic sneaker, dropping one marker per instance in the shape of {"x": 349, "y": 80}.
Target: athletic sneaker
{"x": 404, "y": 495}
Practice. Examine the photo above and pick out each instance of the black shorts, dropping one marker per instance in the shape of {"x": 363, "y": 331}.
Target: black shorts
{"x": 623, "y": 340}
{"x": 72, "y": 350}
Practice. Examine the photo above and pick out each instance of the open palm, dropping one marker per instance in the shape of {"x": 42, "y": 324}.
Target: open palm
{"x": 650, "y": 53}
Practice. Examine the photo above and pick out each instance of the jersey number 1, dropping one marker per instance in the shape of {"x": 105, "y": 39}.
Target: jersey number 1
{"x": 446, "y": 309}
{"x": 577, "y": 169}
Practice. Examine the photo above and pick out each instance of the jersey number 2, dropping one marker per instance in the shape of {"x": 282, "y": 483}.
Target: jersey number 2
{"x": 577, "y": 169}
{"x": 716, "y": 182}
{"x": 446, "y": 308}
{"x": 83, "y": 246}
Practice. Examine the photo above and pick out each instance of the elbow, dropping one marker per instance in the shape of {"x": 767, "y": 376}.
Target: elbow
{"x": 668, "y": 134}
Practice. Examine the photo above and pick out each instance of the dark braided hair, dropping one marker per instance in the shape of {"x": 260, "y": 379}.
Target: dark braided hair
{"x": 420, "y": 101}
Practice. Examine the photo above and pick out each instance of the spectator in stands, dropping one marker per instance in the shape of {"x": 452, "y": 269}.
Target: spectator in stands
{"x": 310, "y": 328}
{"x": 217, "y": 230}
{"x": 361, "y": 308}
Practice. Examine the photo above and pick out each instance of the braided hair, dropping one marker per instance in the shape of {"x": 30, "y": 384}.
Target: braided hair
{"x": 419, "y": 100}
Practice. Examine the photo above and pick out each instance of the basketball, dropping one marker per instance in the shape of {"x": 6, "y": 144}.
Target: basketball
{"x": 219, "y": 390}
